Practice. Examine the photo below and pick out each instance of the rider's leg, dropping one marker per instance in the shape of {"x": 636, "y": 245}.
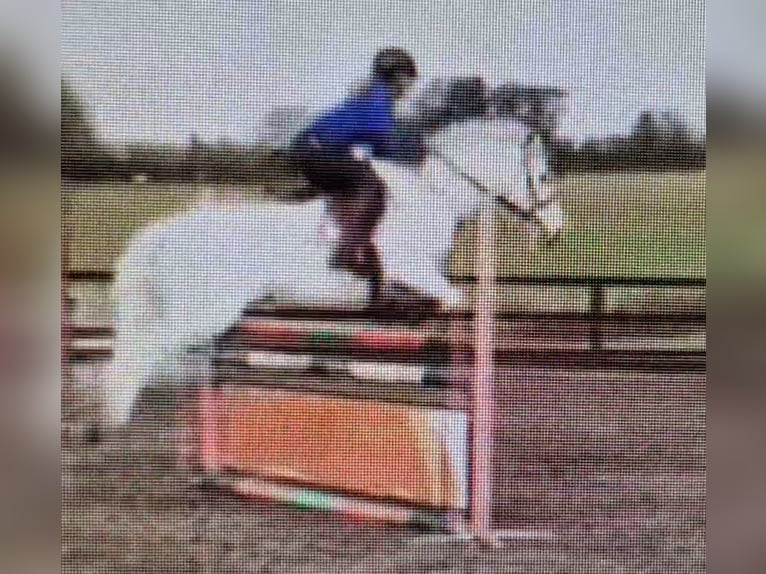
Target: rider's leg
{"x": 355, "y": 197}
{"x": 368, "y": 207}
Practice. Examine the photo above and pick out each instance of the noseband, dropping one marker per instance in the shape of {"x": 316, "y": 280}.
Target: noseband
{"x": 534, "y": 182}
{"x": 532, "y": 214}
{"x": 533, "y": 186}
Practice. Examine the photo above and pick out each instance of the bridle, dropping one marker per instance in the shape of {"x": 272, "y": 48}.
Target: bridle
{"x": 532, "y": 214}
{"x": 533, "y": 182}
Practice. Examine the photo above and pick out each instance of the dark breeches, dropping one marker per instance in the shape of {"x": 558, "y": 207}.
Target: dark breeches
{"x": 355, "y": 193}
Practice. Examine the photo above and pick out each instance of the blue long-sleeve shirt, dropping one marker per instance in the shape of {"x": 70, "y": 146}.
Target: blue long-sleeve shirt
{"x": 368, "y": 120}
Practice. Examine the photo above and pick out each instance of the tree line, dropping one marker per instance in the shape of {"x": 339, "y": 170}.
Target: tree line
{"x": 660, "y": 141}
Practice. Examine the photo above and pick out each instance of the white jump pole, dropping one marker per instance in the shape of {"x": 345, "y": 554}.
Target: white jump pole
{"x": 482, "y": 384}
{"x": 482, "y": 435}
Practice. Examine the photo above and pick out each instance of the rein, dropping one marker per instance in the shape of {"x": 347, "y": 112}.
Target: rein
{"x": 513, "y": 208}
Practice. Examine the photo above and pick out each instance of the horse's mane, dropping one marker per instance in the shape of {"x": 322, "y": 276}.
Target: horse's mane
{"x": 445, "y": 102}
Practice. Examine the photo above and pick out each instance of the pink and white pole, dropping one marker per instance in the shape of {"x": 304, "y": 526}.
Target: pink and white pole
{"x": 482, "y": 434}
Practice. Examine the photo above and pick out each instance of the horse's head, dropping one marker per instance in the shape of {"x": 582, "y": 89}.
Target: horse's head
{"x": 497, "y": 159}
{"x": 541, "y": 206}
{"x": 483, "y": 145}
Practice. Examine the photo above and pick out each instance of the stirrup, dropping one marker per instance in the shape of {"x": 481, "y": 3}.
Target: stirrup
{"x": 350, "y": 260}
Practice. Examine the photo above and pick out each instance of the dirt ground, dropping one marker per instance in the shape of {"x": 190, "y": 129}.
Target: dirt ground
{"x": 613, "y": 463}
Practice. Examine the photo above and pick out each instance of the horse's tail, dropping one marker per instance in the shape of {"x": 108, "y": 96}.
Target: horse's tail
{"x": 137, "y": 310}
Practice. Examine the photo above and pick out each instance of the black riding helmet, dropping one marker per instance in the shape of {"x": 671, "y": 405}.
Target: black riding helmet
{"x": 391, "y": 63}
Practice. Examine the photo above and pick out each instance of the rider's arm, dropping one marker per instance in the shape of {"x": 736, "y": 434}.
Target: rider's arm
{"x": 411, "y": 146}
{"x": 386, "y": 139}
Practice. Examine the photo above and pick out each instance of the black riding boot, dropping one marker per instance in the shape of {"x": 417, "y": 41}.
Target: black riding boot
{"x": 359, "y": 216}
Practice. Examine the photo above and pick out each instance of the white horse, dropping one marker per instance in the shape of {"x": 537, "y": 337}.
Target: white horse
{"x": 186, "y": 280}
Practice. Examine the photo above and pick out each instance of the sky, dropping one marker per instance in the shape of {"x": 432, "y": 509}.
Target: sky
{"x": 160, "y": 70}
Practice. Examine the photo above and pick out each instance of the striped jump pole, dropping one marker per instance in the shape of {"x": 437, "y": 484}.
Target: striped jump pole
{"x": 330, "y": 338}
{"x": 366, "y": 353}
{"x": 363, "y": 371}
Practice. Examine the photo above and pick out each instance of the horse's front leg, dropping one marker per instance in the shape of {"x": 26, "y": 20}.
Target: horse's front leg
{"x": 427, "y": 276}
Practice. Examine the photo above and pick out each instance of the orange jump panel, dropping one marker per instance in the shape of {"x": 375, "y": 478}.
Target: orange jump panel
{"x": 361, "y": 447}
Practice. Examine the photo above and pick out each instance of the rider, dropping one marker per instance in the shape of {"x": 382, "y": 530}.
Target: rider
{"x": 324, "y": 154}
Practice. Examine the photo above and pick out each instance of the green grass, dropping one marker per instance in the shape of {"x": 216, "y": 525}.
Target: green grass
{"x": 635, "y": 225}
{"x": 631, "y": 225}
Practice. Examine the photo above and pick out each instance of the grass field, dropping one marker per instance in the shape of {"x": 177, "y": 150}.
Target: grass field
{"x": 635, "y": 225}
